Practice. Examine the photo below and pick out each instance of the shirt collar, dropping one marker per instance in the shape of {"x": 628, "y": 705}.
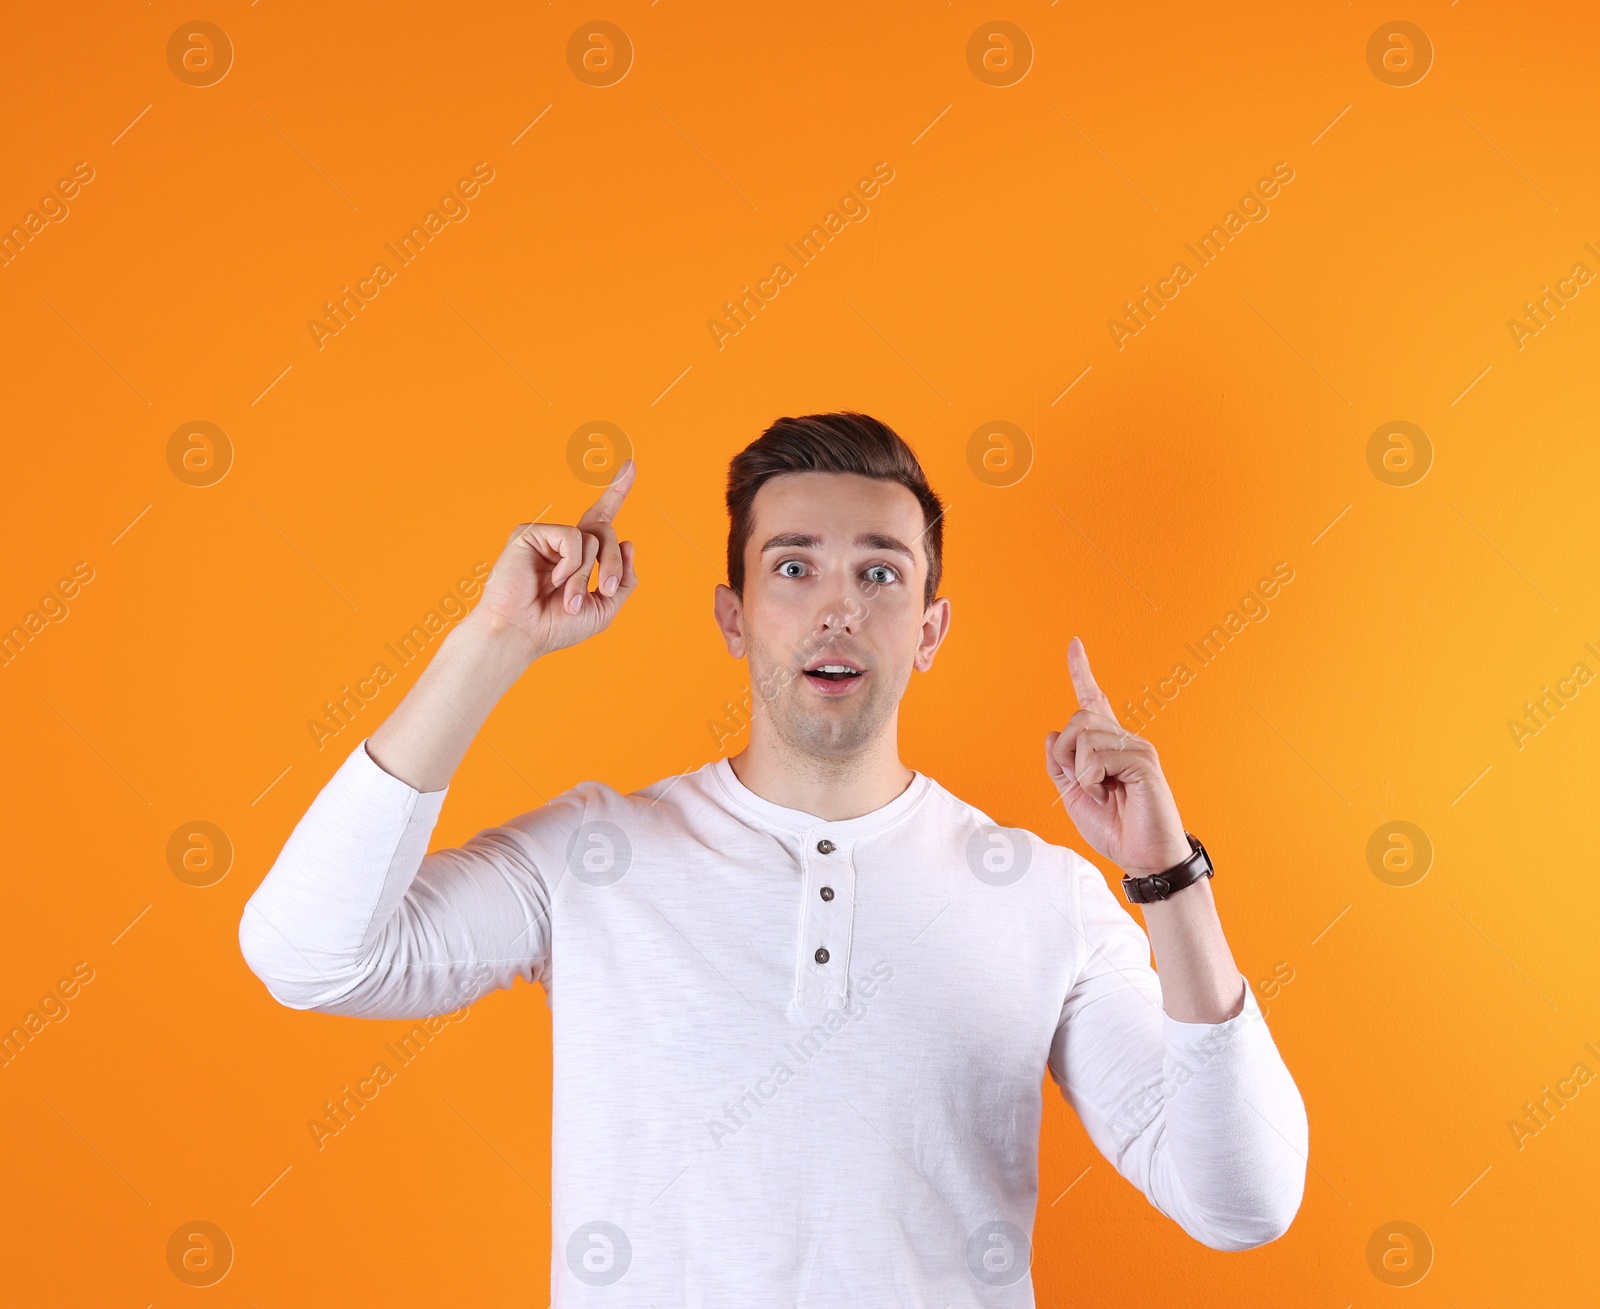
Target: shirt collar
{"x": 768, "y": 814}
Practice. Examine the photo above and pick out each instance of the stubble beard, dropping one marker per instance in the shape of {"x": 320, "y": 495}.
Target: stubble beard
{"x": 820, "y": 733}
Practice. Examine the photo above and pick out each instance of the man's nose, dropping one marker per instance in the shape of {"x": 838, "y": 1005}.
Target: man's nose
{"x": 841, "y": 615}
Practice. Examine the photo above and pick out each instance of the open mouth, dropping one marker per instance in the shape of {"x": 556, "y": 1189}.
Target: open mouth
{"x": 834, "y": 676}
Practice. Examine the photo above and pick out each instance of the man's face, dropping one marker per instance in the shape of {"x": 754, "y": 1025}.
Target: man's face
{"x": 832, "y": 620}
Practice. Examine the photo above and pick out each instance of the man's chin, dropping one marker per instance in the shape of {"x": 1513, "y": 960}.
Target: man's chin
{"x": 835, "y": 730}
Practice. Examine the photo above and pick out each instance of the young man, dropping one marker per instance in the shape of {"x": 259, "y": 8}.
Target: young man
{"x": 807, "y": 996}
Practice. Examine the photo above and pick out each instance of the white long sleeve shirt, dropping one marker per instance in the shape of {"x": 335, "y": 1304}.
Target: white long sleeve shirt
{"x": 796, "y": 1062}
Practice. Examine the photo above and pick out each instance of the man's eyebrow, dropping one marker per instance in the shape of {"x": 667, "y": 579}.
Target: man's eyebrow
{"x": 807, "y": 541}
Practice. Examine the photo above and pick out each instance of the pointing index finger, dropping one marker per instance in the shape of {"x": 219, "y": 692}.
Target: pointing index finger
{"x": 606, "y": 508}
{"x": 1090, "y": 696}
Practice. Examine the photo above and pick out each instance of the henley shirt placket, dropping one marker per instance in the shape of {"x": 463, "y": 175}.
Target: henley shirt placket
{"x": 827, "y": 919}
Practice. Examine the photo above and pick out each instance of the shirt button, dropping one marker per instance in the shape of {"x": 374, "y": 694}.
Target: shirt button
{"x": 826, "y": 846}
{"x": 827, "y": 893}
{"x": 822, "y": 954}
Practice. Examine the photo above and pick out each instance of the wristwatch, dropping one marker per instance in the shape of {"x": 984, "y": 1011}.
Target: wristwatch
{"x": 1144, "y": 890}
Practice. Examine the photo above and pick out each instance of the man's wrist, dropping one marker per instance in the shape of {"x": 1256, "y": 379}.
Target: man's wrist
{"x": 1180, "y": 852}
{"x": 1172, "y": 880}
{"x": 506, "y": 651}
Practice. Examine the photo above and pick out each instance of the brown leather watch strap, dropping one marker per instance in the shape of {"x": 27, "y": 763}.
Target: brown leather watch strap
{"x": 1158, "y": 886}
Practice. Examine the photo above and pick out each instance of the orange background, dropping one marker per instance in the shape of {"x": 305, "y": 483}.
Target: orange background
{"x": 1228, "y": 436}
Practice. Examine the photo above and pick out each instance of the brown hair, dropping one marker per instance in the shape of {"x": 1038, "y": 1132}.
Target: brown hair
{"x": 845, "y": 442}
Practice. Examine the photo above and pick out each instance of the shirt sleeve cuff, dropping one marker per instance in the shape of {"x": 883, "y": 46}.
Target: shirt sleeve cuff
{"x": 389, "y": 790}
{"x": 1206, "y": 1036}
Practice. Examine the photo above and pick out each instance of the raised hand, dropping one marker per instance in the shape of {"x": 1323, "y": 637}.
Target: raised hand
{"x": 540, "y": 584}
{"x": 1111, "y": 782}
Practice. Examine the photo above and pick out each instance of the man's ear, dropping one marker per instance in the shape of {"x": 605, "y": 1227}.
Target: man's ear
{"x": 728, "y": 610}
{"x": 935, "y": 624}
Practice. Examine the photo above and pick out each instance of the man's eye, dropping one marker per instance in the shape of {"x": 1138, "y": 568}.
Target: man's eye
{"x": 791, "y": 563}
{"x": 872, "y": 574}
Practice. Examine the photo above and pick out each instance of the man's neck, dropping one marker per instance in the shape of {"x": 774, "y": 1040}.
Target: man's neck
{"x": 832, "y": 789}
